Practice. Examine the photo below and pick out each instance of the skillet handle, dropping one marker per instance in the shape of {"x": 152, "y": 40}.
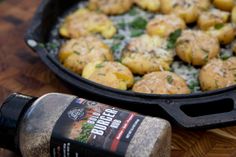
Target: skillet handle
{"x": 203, "y": 112}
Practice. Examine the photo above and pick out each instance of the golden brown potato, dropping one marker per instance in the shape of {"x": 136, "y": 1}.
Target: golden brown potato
{"x": 186, "y": 9}
{"x": 211, "y": 18}
{"x": 215, "y": 75}
{"x": 223, "y": 32}
{"x": 111, "y": 7}
{"x": 161, "y": 83}
{"x": 196, "y": 47}
{"x": 164, "y": 25}
{"x": 84, "y": 22}
{"x": 226, "y": 5}
{"x": 202, "y": 5}
{"x": 150, "y": 5}
{"x": 233, "y": 15}
{"x": 76, "y": 53}
{"x": 111, "y": 74}
{"x": 146, "y": 54}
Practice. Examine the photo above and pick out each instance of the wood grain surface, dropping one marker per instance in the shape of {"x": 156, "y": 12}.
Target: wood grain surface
{"x": 21, "y": 70}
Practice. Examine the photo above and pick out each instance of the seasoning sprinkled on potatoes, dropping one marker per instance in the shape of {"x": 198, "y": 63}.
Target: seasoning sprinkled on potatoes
{"x": 197, "y": 47}
{"x": 84, "y": 22}
{"x": 215, "y": 75}
{"x": 161, "y": 83}
{"x": 111, "y": 74}
{"x": 76, "y": 53}
{"x": 111, "y": 7}
{"x": 146, "y": 54}
{"x": 213, "y": 17}
{"x": 164, "y": 25}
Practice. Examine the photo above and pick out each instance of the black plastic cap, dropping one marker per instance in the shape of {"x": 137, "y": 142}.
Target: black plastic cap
{"x": 11, "y": 112}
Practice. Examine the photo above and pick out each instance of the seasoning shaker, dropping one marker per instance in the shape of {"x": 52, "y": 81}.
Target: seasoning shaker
{"x": 61, "y": 125}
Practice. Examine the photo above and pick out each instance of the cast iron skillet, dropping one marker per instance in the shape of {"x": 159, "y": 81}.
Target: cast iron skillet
{"x": 194, "y": 111}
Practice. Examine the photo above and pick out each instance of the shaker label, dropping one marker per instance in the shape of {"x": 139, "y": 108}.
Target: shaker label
{"x": 91, "y": 129}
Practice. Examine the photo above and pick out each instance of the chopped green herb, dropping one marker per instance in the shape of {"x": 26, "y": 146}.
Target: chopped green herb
{"x": 121, "y": 24}
{"x": 206, "y": 58}
{"x": 139, "y": 23}
{"x": 76, "y": 52}
{"x": 99, "y": 66}
{"x": 136, "y": 32}
{"x": 118, "y": 37}
{"x": 115, "y": 47}
{"x": 193, "y": 85}
{"x": 169, "y": 79}
{"x": 133, "y": 12}
{"x": 41, "y": 45}
{"x": 52, "y": 45}
{"x": 219, "y": 26}
{"x": 225, "y": 56}
{"x": 173, "y": 38}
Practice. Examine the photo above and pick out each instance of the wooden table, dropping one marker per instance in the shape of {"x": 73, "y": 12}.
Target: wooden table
{"x": 22, "y": 71}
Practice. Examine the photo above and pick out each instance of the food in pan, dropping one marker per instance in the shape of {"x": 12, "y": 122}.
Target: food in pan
{"x": 111, "y": 7}
{"x": 121, "y": 44}
{"x": 186, "y": 9}
{"x": 112, "y": 74}
{"x": 146, "y": 54}
{"x": 76, "y": 53}
{"x": 215, "y": 75}
{"x": 226, "y": 5}
{"x": 225, "y": 33}
{"x": 164, "y": 25}
{"x": 84, "y": 22}
{"x": 161, "y": 83}
{"x": 212, "y": 18}
{"x": 151, "y": 5}
{"x": 197, "y": 47}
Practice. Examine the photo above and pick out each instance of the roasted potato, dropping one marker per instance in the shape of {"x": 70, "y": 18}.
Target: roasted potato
{"x": 111, "y": 7}
{"x": 150, "y": 5}
{"x": 231, "y": 65}
{"x": 202, "y": 5}
{"x": 212, "y": 18}
{"x": 84, "y": 22}
{"x": 146, "y": 54}
{"x": 197, "y": 47}
{"x": 225, "y": 33}
{"x": 164, "y": 25}
{"x": 186, "y": 9}
{"x": 215, "y": 75}
{"x": 76, "y": 53}
{"x": 161, "y": 83}
{"x": 226, "y": 5}
{"x": 111, "y": 74}
{"x": 233, "y": 15}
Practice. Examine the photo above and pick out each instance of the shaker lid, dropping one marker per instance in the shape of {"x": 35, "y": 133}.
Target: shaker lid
{"x": 11, "y": 111}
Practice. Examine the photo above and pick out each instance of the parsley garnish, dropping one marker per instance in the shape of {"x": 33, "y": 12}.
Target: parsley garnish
{"x": 136, "y": 32}
{"x": 139, "y": 23}
{"x": 169, "y": 79}
{"x": 99, "y": 66}
{"x": 173, "y": 38}
{"x": 219, "y": 26}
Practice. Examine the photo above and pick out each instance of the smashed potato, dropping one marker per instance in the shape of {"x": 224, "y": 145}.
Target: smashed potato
{"x": 223, "y": 32}
{"x": 111, "y": 7}
{"x": 233, "y": 15}
{"x": 186, "y": 9}
{"x": 215, "y": 75}
{"x": 164, "y": 25}
{"x": 211, "y": 18}
{"x": 161, "y": 83}
{"x": 111, "y": 74}
{"x": 226, "y": 5}
{"x": 146, "y": 54}
{"x": 76, "y": 53}
{"x": 197, "y": 47}
{"x": 84, "y": 22}
{"x": 150, "y": 5}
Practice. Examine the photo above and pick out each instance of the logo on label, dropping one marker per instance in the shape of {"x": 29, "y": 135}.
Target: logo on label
{"x": 76, "y": 114}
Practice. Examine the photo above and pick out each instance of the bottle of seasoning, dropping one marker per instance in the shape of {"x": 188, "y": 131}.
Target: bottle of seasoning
{"x": 61, "y": 125}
